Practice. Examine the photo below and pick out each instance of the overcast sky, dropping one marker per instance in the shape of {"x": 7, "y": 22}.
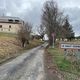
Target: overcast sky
{"x": 30, "y": 10}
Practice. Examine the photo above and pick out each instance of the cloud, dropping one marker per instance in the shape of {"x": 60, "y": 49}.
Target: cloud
{"x": 8, "y": 14}
{"x": 26, "y": 9}
{"x": 74, "y": 19}
{"x": 21, "y": 6}
{"x": 68, "y": 3}
{"x": 2, "y": 4}
{"x": 71, "y": 8}
{"x": 30, "y": 10}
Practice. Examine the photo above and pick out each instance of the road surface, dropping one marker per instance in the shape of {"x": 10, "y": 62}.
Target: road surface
{"x": 28, "y": 66}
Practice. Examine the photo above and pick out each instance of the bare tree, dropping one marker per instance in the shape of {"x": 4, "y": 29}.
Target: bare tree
{"x": 51, "y": 19}
{"x": 24, "y": 33}
{"x": 55, "y": 22}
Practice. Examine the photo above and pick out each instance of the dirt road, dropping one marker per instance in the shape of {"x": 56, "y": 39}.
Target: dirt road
{"x": 28, "y": 66}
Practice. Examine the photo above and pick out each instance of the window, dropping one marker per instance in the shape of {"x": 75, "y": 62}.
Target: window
{"x": 0, "y": 26}
{"x": 9, "y": 26}
{"x": 10, "y": 20}
{"x": 17, "y": 21}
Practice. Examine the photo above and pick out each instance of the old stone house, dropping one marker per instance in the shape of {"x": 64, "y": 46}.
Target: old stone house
{"x": 10, "y": 24}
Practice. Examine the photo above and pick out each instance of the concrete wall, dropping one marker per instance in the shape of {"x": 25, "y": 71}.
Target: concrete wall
{"x": 5, "y": 27}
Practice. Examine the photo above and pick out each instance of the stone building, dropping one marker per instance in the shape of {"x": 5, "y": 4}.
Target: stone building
{"x": 10, "y": 24}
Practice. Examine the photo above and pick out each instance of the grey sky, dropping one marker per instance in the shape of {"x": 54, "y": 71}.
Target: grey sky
{"x": 72, "y": 8}
{"x": 30, "y": 10}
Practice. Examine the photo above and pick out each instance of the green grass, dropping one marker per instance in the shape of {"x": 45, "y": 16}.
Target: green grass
{"x": 62, "y": 63}
{"x": 2, "y": 34}
{"x": 34, "y": 43}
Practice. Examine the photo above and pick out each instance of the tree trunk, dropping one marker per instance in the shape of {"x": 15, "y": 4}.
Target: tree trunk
{"x": 27, "y": 41}
{"x": 23, "y": 44}
{"x": 50, "y": 40}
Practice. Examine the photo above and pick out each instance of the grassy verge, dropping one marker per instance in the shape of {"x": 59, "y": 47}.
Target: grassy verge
{"x": 34, "y": 43}
{"x": 2, "y": 34}
{"x": 10, "y": 47}
{"x": 65, "y": 66}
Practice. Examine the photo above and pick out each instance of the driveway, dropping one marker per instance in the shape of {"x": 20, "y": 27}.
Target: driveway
{"x": 28, "y": 66}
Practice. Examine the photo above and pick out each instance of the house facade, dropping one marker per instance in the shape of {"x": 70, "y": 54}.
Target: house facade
{"x": 10, "y": 24}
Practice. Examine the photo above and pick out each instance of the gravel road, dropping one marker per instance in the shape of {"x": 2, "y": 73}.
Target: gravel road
{"x": 28, "y": 66}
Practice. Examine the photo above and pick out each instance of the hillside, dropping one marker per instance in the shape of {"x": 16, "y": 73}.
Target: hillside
{"x": 10, "y": 47}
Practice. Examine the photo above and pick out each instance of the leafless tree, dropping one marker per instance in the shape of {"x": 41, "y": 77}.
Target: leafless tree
{"x": 24, "y": 33}
{"x": 55, "y": 22}
{"x": 51, "y": 19}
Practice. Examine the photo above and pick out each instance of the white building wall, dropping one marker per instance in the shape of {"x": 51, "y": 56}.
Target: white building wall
{"x": 5, "y": 27}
